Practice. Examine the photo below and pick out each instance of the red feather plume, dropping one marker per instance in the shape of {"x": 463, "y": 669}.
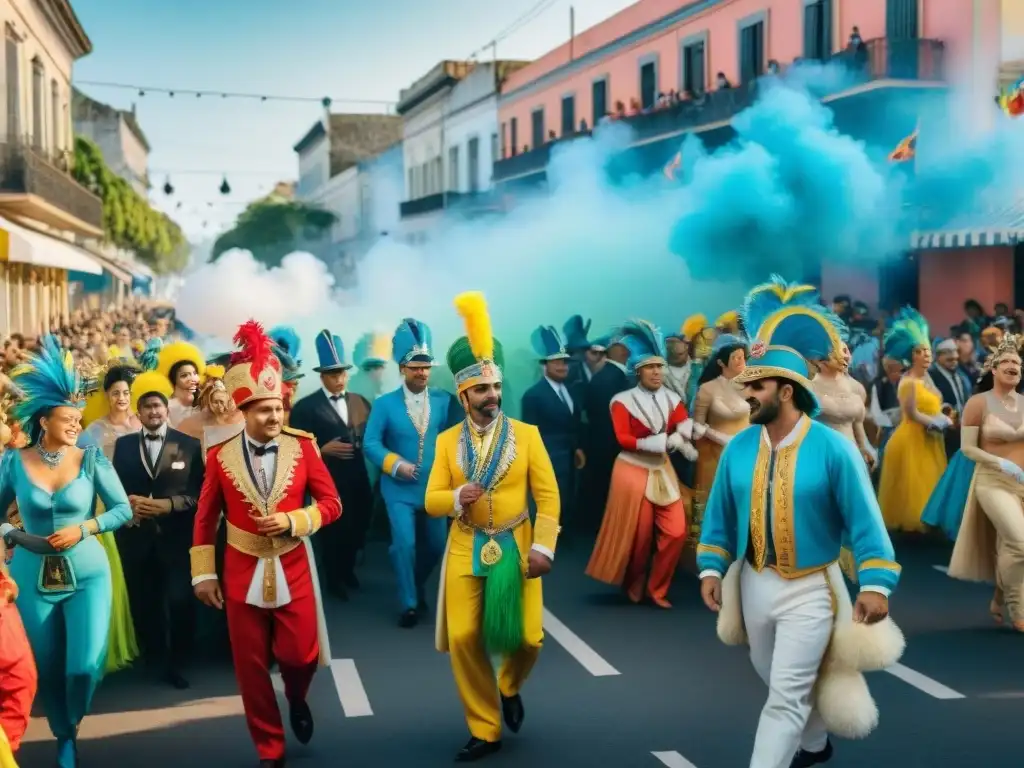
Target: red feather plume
{"x": 254, "y": 347}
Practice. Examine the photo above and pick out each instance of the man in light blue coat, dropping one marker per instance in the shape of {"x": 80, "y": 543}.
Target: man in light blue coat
{"x": 399, "y": 440}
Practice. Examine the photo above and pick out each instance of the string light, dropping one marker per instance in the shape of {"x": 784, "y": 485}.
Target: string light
{"x": 145, "y": 90}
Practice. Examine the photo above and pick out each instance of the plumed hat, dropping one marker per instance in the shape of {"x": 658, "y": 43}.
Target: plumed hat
{"x": 412, "y": 343}
{"x": 576, "y": 330}
{"x": 254, "y": 372}
{"x": 372, "y": 350}
{"x": 477, "y": 357}
{"x": 548, "y": 344}
{"x": 178, "y": 352}
{"x": 645, "y": 343}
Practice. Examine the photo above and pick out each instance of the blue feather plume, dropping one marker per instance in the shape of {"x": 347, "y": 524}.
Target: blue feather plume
{"x": 150, "y": 356}
{"x": 785, "y": 314}
{"x": 288, "y": 339}
{"x": 643, "y": 340}
{"x": 47, "y": 380}
{"x": 909, "y": 331}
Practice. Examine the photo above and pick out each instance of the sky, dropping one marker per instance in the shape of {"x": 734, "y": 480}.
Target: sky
{"x": 310, "y": 48}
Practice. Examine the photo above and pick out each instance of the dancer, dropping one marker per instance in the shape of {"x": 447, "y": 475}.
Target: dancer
{"x": 217, "y": 419}
{"x": 183, "y": 365}
{"x": 645, "y": 505}
{"x": 260, "y": 479}
{"x": 990, "y": 543}
{"x": 843, "y": 403}
{"x": 400, "y": 437}
{"x": 53, "y": 480}
{"x": 786, "y": 493}
{"x": 915, "y": 455}
{"x": 490, "y": 600}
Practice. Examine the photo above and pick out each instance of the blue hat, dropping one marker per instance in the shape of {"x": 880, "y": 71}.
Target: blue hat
{"x": 412, "y": 343}
{"x": 793, "y": 329}
{"x": 576, "y": 330}
{"x": 645, "y": 343}
{"x": 330, "y": 353}
{"x": 548, "y": 344}
{"x": 372, "y": 350}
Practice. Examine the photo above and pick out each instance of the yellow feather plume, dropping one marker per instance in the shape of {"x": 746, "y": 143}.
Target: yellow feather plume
{"x": 693, "y": 325}
{"x": 178, "y": 352}
{"x": 215, "y": 372}
{"x": 380, "y": 347}
{"x": 730, "y": 321}
{"x": 97, "y": 406}
{"x": 150, "y": 381}
{"x": 472, "y": 306}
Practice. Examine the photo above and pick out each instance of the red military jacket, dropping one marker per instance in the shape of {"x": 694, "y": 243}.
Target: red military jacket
{"x": 640, "y": 417}
{"x": 229, "y": 486}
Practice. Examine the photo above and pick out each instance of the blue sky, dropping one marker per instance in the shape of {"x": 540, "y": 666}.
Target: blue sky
{"x": 340, "y": 48}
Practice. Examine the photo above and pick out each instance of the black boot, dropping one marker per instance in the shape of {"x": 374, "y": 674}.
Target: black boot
{"x": 806, "y": 759}
{"x": 301, "y": 720}
{"x": 408, "y": 619}
{"x": 476, "y": 749}
{"x": 513, "y": 712}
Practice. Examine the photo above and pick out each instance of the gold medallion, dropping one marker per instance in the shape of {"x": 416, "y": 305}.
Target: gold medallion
{"x": 490, "y": 553}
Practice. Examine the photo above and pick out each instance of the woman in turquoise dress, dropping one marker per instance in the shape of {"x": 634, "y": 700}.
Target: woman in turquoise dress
{"x": 66, "y": 597}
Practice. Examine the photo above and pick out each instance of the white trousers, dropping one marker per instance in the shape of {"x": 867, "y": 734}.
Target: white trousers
{"x": 789, "y": 624}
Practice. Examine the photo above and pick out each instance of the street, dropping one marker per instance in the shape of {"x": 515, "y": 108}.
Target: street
{"x": 617, "y": 685}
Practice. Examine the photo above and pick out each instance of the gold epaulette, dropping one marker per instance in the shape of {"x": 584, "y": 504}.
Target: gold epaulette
{"x": 298, "y": 433}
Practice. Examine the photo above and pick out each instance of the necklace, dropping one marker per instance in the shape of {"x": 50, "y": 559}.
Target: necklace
{"x": 52, "y": 459}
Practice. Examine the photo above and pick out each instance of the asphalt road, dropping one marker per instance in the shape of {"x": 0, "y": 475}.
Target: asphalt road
{"x": 617, "y": 686}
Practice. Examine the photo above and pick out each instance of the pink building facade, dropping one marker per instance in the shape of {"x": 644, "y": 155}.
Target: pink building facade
{"x": 915, "y": 53}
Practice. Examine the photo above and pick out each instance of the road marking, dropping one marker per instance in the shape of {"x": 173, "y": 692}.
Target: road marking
{"x": 673, "y": 760}
{"x": 941, "y": 568}
{"x": 933, "y": 688}
{"x": 350, "y": 688}
{"x": 579, "y": 650}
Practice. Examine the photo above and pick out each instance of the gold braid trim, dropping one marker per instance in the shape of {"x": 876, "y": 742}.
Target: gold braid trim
{"x": 92, "y": 526}
{"x": 204, "y": 560}
{"x": 305, "y": 521}
{"x": 545, "y": 532}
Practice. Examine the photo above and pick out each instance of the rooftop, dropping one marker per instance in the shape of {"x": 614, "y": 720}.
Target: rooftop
{"x": 354, "y": 137}
{"x": 84, "y": 107}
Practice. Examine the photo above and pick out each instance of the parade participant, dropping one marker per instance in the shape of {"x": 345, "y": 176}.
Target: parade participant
{"x": 954, "y": 388}
{"x": 553, "y": 406}
{"x": 260, "y": 479}
{"x": 788, "y": 490}
{"x": 490, "y": 600}
{"x": 400, "y": 437}
{"x": 66, "y": 596}
{"x": 371, "y": 356}
{"x": 719, "y": 413}
{"x": 602, "y": 447}
{"x": 217, "y": 419}
{"x": 585, "y": 356}
{"x": 990, "y": 542}
{"x": 681, "y": 362}
{"x": 338, "y": 418}
{"x": 287, "y": 346}
{"x": 915, "y": 456}
{"x": 161, "y": 470}
{"x": 183, "y": 365}
{"x": 645, "y": 506}
{"x": 729, "y": 323}
{"x": 842, "y": 401}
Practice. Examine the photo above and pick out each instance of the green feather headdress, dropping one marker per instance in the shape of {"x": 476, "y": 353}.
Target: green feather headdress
{"x": 908, "y": 332}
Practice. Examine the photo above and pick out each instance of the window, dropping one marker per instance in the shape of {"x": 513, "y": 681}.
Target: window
{"x": 568, "y": 115}
{"x": 38, "y": 78}
{"x": 438, "y": 176}
{"x": 818, "y": 29}
{"x": 901, "y": 21}
{"x": 599, "y": 95}
{"x": 504, "y": 143}
{"x": 473, "y": 161}
{"x": 13, "y": 92}
{"x": 494, "y": 147}
{"x": 752, "y": 51}
{"x": 648, "y": 84}
{"x": 55, "y": 115}
{"x": 513, "y": 127}
{"x": 411, "y": 181}
{"x": 537, "y": 128}
{"x": 453, "y": 169}
{"x": 694, "y": 74}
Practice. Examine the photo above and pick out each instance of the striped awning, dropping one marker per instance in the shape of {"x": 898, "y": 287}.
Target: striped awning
{"x": 1000, "y": 226}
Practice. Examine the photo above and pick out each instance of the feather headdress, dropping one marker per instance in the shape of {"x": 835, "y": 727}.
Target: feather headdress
{"x": 150, "y": 357}
{"x": 645, "y": 343}
{"x": 908, "y": 332}
{"x": 693, "y": 325}
{"x": 472, "y": 308}
{"x": 255, "y": 371}
{"x": 473, "y": 358}
{"x": 47, "y": 380}
{"x": 97, "y": 403}
{"x": 287, "y": 339}
{"x": 178, "y": 352}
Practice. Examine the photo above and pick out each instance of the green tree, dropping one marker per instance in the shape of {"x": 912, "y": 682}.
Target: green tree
{"x": 129, "y": 221}
{"x": 272, "y": 228}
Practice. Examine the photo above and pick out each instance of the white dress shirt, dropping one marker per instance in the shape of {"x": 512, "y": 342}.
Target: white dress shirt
{"x": 619, "y": 365}
{"x": 418, "y": 404}
{"x": 340, "y": 405}
{"x": 153, "y": 447}
{"x": 562, "y": 391}
{"x": 268, "y": 463}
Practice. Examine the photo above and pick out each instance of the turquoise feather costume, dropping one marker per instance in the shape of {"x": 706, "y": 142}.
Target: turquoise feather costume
{"x": 65, "y": 598}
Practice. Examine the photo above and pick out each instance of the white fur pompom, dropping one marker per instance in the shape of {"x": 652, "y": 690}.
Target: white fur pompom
{"x": 731, "y": 629}
{"x": 865, "y": 647}
{"x": 844, "y": 702}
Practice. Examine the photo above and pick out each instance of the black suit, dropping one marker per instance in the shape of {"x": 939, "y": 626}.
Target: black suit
{"x": 561, "y": 429}
{"x": 602, "y": 447}
{"x": 339, "y": 544}
{"x": 155, "y": 553}
{"x": 957, "y": 400}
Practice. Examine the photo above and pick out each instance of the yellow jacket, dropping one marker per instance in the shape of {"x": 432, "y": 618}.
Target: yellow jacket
{"x": 531, "y": 471}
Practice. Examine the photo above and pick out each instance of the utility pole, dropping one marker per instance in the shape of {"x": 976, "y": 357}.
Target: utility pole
{"x": 572, "y": 31}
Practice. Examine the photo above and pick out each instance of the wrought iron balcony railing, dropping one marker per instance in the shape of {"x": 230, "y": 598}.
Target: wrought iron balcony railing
{"x": 24, "y": 170}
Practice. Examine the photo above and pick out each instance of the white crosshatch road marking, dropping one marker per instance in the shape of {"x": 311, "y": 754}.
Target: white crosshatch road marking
{"x": 673, "y": 760}
{"x": 579, "y": 650}
{"x": 348, "y": 684}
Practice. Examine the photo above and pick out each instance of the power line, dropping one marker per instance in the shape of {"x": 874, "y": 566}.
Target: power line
{"x": 525, "y": 18}
{"x": 169, "y": 172}
{"x": 143, "y": 90}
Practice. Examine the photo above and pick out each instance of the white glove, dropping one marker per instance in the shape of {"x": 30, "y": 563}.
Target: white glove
{"x": 686, "y": 429}
{"x": 689, "y": 452}
{"x": 698, "y": 430}
{"x": 1012, "y": 470}
{"x": 940, "y": 422}
{"x": 719, "y": 437}
{"x": 675, "y": 442}
{"x": 869, "y": 449}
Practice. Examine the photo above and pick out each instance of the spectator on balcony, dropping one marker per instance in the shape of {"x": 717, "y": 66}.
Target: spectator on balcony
{"x": 583, "y": 125}
{"x": 552, "y": 137}
{"x": 634, "y": 107}
{"x": 856, "y": 42}
{"x": 620, "y": 111}
{"x": 662, "y": 101}
{"x": 722, "y": 82}
{"x": 773, "y": 67}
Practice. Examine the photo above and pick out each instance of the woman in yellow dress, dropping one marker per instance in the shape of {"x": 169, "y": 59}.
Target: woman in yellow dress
{"x": 915, "y": 456}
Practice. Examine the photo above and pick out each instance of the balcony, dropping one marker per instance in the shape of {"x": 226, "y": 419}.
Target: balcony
{"x": 880, "y": 62}
{"x": 35, "y": 186}
{"x": 466, "y": 203}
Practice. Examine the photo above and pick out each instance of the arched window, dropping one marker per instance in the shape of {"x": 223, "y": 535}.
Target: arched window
{"x": 38, "y": 81}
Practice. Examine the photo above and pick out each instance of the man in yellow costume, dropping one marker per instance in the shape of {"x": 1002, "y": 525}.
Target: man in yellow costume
{"x": 490, "y": 602}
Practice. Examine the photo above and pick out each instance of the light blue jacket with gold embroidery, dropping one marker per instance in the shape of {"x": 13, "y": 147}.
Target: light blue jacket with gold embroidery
{"x": 822, "y": 497}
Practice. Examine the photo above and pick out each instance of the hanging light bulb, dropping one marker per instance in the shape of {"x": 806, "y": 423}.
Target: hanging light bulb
{"x": 168, "y": 187}
{"x": 326, "y": 102}
{"x": 225, "y": 188}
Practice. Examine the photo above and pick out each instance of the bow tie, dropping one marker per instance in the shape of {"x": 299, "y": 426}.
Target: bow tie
{"x": 155, "y": 437}
{"x": 260, "y": 450}
{"x": 336, "y": 398}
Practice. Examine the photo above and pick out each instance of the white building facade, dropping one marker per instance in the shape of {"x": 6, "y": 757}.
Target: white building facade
{"x": 118, "y": 135}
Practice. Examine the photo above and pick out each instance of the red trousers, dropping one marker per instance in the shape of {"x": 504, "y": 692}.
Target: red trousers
{"x": 670, "y": 525}
{"x": 258, "y": 635}
{"x": 18, "y": 680}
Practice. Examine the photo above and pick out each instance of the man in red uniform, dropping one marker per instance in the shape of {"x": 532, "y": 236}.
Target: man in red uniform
{"x": 260, "y": 479}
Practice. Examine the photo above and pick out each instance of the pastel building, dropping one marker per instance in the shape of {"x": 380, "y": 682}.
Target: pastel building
{"x": 670, "y": 67}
